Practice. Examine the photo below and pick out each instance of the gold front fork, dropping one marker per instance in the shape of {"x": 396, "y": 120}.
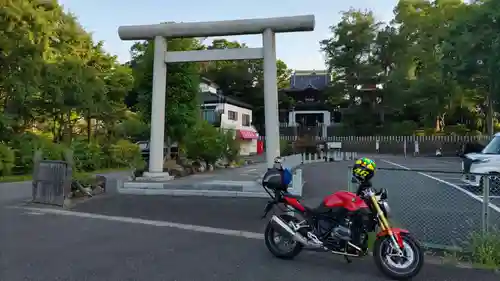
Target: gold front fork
{"x": 384, "y": 223}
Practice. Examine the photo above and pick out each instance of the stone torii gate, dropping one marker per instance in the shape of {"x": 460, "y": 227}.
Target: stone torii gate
{"x": 267, "y": 27}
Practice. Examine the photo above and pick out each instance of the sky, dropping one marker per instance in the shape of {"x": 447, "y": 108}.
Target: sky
{"x": 300, "y": 51}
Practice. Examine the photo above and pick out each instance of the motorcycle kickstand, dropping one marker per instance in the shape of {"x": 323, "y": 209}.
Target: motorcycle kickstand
{"x": 347, "y": 259}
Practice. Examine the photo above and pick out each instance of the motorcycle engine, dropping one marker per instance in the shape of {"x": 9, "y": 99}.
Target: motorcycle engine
{"x": 342, "y": 231}
{"x": 334, "y": 230}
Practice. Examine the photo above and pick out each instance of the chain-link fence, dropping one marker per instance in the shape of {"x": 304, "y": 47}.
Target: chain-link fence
{"x": 439, "y": 207}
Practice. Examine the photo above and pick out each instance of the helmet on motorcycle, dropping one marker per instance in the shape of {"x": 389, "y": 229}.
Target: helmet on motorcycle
{"x": 364, "y": 169}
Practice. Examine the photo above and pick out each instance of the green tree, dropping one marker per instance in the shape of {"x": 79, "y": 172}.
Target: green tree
{"x": 472, "y": 56}
{"x": 349, "y": 55}
{"x": 182, "y": 86}
{"x": 244, "y": 79}
{"x": 205, "y": 142}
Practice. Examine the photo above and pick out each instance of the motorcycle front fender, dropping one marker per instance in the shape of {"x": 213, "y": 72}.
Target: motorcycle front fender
{"x": 395, "y": 230}
{"x": 397, "y": 234}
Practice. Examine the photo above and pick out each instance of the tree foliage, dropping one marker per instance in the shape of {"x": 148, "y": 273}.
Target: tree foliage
{"x": 56, "y": 84}
{"x": 244, "y": 79}
{"x": 182, "y": 86}
{"x": 436, "y": 61}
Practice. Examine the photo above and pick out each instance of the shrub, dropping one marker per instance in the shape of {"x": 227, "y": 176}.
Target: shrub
{"x": 25, "y": 145}
{"x": 232, "y": 146}
{"x": 7, "y": 159}
{"x": 485, "y": 248}
{"x": 204, "y": 142}
{"x": 132, "y": 128}
{"x": 126, "y": 154}
{"x": 87, "y": 156}
{"x": 53, "y": 151}
{"x": 286, "y": 148}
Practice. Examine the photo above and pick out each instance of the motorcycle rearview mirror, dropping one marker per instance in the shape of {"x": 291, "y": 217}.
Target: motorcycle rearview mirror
{"x": 383, "y": 193}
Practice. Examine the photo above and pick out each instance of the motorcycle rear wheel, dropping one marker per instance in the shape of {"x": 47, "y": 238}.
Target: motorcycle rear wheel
{"x": 398, "y": 268}
{"x": 272, "y": 245}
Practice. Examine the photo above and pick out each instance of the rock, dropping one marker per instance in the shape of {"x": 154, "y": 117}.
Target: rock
{"x": 189, "y": 170}
{"x": 174, "y": 169}
{"x": 220, "y": 165}
{"x": 137, "y": 173}
{"x": 196, "y": 166}
{"x": 101, "y": 182}
{"x": 210, "y": 167}
{"x": 203, "y": 166}
{"x": 87, "y": 190}
{"x": 184, "y": 162}
{"x": 97, "y": 190}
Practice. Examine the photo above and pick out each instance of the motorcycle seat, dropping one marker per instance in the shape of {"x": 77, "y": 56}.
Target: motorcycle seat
{"x": 321, "y": 209}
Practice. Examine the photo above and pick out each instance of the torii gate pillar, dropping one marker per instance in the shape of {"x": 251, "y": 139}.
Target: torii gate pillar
{"x": 267, "y": 27}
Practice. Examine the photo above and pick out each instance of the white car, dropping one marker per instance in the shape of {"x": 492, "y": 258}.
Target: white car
{"x": 486, "y": 162}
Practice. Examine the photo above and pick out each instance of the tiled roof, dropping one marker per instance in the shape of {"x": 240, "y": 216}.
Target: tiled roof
{"x": 317, "y": 81}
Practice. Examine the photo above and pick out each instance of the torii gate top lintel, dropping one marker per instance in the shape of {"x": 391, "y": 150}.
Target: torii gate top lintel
{"x": 217, "y": 28}
{"x": 267, "y": 27}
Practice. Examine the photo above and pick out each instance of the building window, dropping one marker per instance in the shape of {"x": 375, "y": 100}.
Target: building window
{"x": 209, "y": 115}
{"x": 232, "y": 115}
{"x": 245, "y": 120}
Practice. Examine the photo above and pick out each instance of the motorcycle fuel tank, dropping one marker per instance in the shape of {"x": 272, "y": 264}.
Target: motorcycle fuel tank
{"x": 344, "y": 199}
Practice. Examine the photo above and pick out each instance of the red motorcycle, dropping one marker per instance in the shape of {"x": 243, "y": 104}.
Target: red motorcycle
{"x": 340, "y": 225}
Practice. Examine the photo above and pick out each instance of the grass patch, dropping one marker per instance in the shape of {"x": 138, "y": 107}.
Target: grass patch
{"x": 485, "y": 249}
{"x": 82, "y": 175}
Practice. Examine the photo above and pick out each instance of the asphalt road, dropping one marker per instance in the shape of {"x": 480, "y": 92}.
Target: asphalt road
{"x": 130, "y": 237}
{"x": 45, "y": 247}
{"x": 435, "y": 206}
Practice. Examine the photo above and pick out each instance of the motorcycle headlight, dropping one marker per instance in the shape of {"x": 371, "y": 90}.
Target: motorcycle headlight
{"x": 385, "y": 208}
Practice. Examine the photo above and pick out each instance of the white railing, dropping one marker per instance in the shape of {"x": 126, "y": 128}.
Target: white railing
{"x": 448, "y": 138}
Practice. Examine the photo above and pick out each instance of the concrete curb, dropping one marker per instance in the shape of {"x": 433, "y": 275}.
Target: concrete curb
{"x": 180, "y": 192}
{"x": 249, "y": 189}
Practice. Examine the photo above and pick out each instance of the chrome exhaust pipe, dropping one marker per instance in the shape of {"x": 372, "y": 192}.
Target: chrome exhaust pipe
{"x": 283, "y": 228}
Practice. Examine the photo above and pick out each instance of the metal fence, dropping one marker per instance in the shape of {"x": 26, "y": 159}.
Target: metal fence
{"x": 418, "y": 145}
{"x": 436, "y": 208}
{"x": 51, "y": 182}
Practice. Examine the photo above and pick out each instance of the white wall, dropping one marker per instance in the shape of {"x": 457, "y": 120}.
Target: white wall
{"x": 205, "y": 87}
{"x": 247, "y": 146}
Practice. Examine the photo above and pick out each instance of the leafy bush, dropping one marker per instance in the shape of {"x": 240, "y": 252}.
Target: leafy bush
{"x": 53, "y": 151}
{"x": 126, "y": 154}
{"x": 404, "y": 128}
{"x": 87, "y": 156}
{"x": 132, "y": 128}
{"x": 205, "y": 142}
{"x": 486, "y": 248}
{"x": 7, "y": 159}
{"x": 286, "y": 148}
{"x": 25, "y": 145}
{"x": 232, "y": 146}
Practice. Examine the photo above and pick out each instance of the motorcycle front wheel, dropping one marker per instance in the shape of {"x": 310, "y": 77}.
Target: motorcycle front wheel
{"x": 398, "y": 266}
{"x": 279, "y": 245}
